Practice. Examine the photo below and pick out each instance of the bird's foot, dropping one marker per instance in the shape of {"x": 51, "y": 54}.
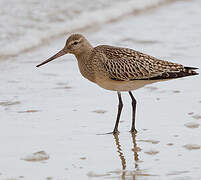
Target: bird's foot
{"x": 113, "y": 132}
{"x": 133, "y": 131}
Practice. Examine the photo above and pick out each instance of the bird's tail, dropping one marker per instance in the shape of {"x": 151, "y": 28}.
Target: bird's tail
{"x": 189, "y": 71}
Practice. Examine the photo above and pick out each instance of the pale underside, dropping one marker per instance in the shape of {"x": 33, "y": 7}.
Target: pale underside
{"x": 114, "y": 85}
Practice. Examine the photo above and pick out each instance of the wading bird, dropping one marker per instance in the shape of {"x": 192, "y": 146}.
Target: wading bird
{"x": 120, "y": 69}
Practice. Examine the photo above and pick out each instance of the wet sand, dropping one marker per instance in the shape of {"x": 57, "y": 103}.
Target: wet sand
{"x": 55, "y": 111}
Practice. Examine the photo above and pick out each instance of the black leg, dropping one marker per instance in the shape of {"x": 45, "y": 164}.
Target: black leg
{"x": 134, "y": 110}
{"x": 118, "y": 114}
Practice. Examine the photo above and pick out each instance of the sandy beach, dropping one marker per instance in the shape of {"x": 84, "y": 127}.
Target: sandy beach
{"x": 51, "y": 117}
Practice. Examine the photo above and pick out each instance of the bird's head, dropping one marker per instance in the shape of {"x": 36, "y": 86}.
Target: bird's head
{"x": 76, "y": 44}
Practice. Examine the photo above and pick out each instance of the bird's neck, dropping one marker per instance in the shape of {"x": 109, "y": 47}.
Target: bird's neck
{"x": 85, "y": 64}
{"x": 84, "y": 55}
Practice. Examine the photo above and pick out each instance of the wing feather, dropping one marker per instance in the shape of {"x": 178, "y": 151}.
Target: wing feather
{"x": 126, "y": 64}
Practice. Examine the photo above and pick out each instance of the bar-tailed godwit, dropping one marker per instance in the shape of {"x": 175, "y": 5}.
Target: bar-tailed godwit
{"x": 120, "y": 69}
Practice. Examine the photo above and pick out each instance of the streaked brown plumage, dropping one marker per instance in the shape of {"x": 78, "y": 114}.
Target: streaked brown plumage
{"x": 120, "y": 69}
{"x": 127, "y": 64}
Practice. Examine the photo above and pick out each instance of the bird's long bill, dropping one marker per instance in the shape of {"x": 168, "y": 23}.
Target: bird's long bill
{"x": 60, "y": 53}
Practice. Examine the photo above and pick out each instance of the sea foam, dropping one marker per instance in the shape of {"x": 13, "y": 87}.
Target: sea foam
{"x": 28, "y": 24}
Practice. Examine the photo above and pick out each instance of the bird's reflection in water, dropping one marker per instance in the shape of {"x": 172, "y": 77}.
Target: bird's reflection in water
{"x": 135, "y": 150}
{"x": 121, "y": 155}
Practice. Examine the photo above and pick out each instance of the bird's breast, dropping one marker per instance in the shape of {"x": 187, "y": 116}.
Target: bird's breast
{"x": 87, "y": 71}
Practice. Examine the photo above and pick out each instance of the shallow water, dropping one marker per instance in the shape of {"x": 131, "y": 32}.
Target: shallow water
{"x": 55, "y": 110}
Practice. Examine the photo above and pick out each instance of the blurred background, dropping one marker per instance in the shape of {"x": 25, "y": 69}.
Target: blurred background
{"x": 53, "y": 109}
{"x": 28, "y": 24}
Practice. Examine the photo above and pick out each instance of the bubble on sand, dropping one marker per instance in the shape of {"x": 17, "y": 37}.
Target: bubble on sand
{"x": 192, "y": 146}
{"x": 13, "y": 81}
{"x": 152, "y": 152}
{"x": 196, "y": 116}
{"x": 61, "y": 83}
{"x": 151, "y": 88}
{"x": 9, "y": 103}
{"x": 83, "y": 158}
{"x": 192, "y": 125}
{"x": 99, "y": 111}
{"x": 131, "y": 173}
{"x": 150, "y": 141}
{"x": 38, "y": 156}
{"x": 12, "y": 178}
{"x": 117, "y": 171}
{"x": 92, "y": 174}
{"x": 170, "y": 144}
{"x": 176, "y": 173}
{"x": 50, "y": 74}
{"x": 64, "y": 87}
{"x": 49, "y": 178}
{"x": 28, "y": 111}
{"x": 176, "y": 91}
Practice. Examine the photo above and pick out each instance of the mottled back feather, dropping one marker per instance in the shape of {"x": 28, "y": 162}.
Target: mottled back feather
{"x": 126, "y": 64}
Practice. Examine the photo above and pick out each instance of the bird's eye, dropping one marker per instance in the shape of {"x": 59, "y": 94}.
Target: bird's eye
{"x": 75, "y": 43}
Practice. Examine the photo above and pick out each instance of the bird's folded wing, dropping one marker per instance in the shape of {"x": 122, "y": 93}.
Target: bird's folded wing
{"x": 128, "y": 65}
